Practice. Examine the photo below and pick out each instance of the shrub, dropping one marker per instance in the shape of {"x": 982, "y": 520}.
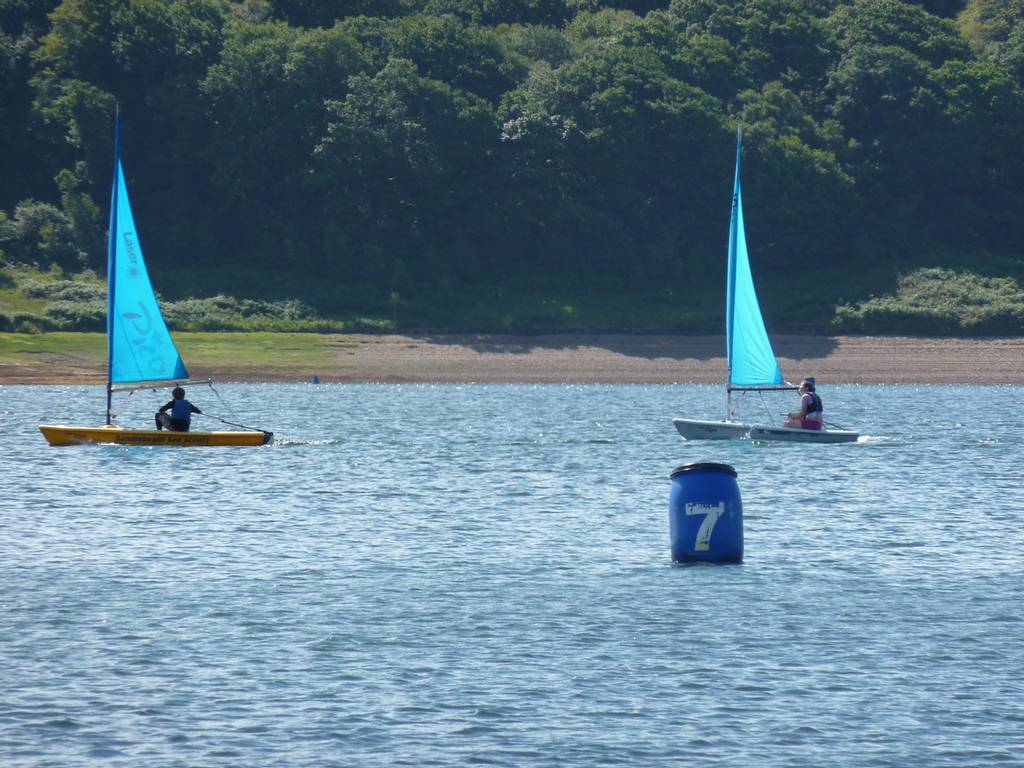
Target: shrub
{"x": 40, "y": 233}
{"x": 226, "y": 313}
{"x": 934, "y": 302}
{"x": 25, "y": 322}
{"x": 78, "y": 315}
{"x": 64, "y": 290}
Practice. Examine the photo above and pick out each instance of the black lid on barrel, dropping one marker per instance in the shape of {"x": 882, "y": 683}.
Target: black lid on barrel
{"x": 703, "y": 467}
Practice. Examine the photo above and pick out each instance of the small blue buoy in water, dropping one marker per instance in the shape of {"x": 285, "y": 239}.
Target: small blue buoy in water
{"x": 705, "y": 514}
{"x": 316, "y": 379}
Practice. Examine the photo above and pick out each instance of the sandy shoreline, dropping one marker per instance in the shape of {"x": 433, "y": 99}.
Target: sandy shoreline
{"x": 607, "y": 358}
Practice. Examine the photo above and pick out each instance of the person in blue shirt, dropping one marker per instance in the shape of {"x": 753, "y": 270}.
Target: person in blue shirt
{"x": 180, "y": 417}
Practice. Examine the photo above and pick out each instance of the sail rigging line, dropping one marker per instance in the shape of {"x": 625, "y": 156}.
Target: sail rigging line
{"x": 223, "y": 402}
{"x": 233, "y": 424}
{"x": 115, "y": 412}
{"x": 829, "y": 423}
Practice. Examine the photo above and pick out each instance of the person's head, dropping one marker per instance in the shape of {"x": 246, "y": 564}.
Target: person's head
{"x": 178, "y": 393}
{"x": 807, "y": 385}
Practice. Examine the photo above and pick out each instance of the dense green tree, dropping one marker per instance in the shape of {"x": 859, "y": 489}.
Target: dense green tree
{"x": 443, "y": 48}
{"x": 415, "y": 147}
{"x": 915, "y": 118}
{"x": 148, "y": 55}
{"x": 784, "y": 40}
{"x": 799, "y": 190}
{"x": 409, "y": 151}
{"x": 534, "y": 43}
{"x": 324, "y": 13}
{"x": 121, "y": 48}
{"x": 267, "y": 98}
{"x": 465, "y": 57}
{"x": 639, "y": 7}
{"x": 995, "y": 29}
{"x": 604, "y": 140}
{"x": 945, "y": 8}
{"x": 895, "y": 24}
{"x": 83, "y": 217}
{"x": 974, "y": 175}
{"x": 1011, "y": 53}
{"x": 26, "y": 160}
{"x": 491, "y": 12}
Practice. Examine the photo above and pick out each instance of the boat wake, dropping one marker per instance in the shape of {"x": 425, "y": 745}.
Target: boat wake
{"x": 280, "y": 442}
{"x": 876, "y": 439}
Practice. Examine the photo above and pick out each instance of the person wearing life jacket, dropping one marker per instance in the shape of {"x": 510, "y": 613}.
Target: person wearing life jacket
{"x": 180, "y": 417}
{"x": 811, "y": 414}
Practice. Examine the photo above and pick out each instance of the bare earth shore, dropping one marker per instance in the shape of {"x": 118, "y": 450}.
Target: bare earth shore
{"x": 607, "y": 359}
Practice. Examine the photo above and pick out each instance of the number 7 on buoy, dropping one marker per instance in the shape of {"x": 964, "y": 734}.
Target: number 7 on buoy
{"x": 711, "y": 514}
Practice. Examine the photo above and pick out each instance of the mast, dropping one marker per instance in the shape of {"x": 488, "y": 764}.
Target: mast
{"x": 730, "y": 280}
{"x": 112, "y": 257}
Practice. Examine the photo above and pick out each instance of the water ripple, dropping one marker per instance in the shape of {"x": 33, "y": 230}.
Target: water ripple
{"x": 448, "y": 575}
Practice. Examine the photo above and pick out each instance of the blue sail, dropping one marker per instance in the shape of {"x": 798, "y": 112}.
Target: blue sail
{"x": 751, "y": 359}
{"x": 139, "y": 345}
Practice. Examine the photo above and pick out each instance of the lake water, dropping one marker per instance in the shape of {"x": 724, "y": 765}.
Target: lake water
{"x": 419, "y": 575}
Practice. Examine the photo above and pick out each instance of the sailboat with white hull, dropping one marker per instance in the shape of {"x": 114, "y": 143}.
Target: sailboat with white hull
{"x": 140, "y": 350}
{"x": 752, "y": 363}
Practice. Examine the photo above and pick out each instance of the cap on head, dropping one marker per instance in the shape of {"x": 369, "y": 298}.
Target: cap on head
{"x": 177, "y": 393}
{"x": 809, "y": 381}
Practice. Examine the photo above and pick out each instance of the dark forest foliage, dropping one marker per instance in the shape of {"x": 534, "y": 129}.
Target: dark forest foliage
{"x": 430, "y": 149}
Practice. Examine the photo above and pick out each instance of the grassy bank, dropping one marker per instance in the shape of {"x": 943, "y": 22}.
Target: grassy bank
{"x": 270, "y": 351}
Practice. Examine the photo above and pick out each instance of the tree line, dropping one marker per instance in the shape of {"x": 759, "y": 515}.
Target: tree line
{"x": 419, "y": 146}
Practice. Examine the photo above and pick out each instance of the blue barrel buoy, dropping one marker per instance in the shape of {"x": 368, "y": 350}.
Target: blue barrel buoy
{"x": 705, "y": 514}
{"x": 316, "y": 379}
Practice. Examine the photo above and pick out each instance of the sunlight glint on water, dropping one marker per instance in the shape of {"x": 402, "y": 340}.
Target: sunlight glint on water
{"x": 440, "y": 575}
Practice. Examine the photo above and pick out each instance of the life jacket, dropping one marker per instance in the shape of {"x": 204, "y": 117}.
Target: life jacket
{"x": 182, "y": 410}
{"x": 815, "y": 405}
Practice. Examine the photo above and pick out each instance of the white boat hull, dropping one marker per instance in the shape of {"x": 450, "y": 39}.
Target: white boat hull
{"x": 694, "y": 429}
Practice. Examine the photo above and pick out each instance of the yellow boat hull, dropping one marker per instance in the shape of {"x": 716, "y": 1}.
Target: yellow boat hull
{"x": 63, "y": 435}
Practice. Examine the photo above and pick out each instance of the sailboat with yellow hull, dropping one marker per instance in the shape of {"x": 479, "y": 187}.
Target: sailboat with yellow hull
{"x": 140, "y": 351}
{"x": 64, "y": 435}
